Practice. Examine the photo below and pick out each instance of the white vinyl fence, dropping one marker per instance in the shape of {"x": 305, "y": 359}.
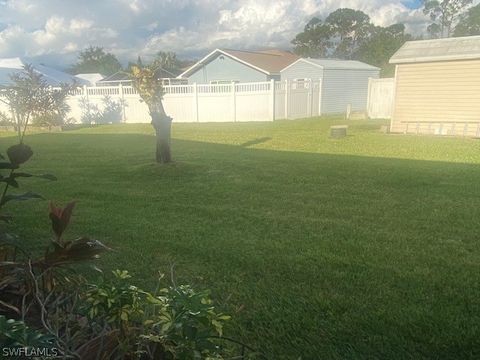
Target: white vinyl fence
{"x": 260, "y": 101}
{"x": 380, "y": 98}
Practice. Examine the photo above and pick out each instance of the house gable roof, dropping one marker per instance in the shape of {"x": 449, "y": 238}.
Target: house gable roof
{"x": 269, "y": 62}
{"x": 336, "y": 64}
{"x": 461, "y": 48}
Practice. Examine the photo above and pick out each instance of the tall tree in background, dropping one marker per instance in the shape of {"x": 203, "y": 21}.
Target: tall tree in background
{"x": 314, "y": 41}
{"x": 469, "y": 23}
{"x": 444, "y": 14}
{"x": 170, "y": 62}
{"x": 349, "y": 29}
{"x": 167, "y": 61}
{"x": 434, "y": 31}
{"x": 95, "y": 60}
{"x": 383, "y": 43}
{"x": 349, "y": 34}
{"x": 340, "y": 35}
{"x": 150, "y": 89}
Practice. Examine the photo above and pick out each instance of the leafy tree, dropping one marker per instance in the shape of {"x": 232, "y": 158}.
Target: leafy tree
{"x": 434, "y": 31}
{"x": 29, "y": 97}
{"x": 350, "y": 28}
{"x": 166, "y": 64}
{"x": 381, "y": 46}
{"x": 340, "y": 35}
{"x": 96, "y": 60}
{"x": 444, "y": 13}
{"x": 170, "y": 62}
{"x": 314, "y": 41}
{"x": 167, "y": 61}
{"x": 469, "y": 23}
{"x": 150, "y": 90}
{"x": 348, "y": 34}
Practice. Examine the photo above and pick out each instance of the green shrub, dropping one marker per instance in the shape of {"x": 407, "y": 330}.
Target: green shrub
{"x": 111, "y": 316}
{"x": 15, "y": 334}
{"x": 176, "y": 323}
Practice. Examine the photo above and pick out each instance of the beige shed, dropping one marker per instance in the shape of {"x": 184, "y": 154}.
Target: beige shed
{"x": 437, "y": 87}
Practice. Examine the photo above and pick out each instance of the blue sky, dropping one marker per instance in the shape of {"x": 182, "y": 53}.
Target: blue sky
{"x": 56, "y": 30}
{"x": 413, "y": 4}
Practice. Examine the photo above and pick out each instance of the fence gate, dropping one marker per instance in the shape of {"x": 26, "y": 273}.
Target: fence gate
{"x": 380, "y": 98}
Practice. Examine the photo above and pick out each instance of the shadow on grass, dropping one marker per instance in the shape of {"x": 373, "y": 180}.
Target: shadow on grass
{"x": 339, "y": 255}
{"x": 256, "y": 141}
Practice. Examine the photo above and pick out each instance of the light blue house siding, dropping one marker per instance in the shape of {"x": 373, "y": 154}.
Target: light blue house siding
{"x": 343, "y": 87}
{"x": 343, "y": 82}
{"x": 223, "y": 68}
{"x": 302, "y": 70}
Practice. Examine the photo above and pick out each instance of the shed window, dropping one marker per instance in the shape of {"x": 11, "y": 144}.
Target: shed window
{"x": 300, "y": 83}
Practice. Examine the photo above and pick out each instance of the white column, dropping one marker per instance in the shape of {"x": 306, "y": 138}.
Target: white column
{"x": 287, "y": 97}
{"x": 320, "y": 84}
{"x": 272, "y": 98}
{"x": 122, "y": 102}
{"x": 234, "y": 102}
{"x": 195, "y": 102}
{"x": 85, "y": 95}
{"x": 310, "y": 98}
{"x": 369, "y": 96}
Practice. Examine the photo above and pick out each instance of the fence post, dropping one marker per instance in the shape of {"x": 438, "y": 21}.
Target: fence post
{"x": 310, "y": 98}
{"x": 287, "y": 97}
{"x": 195, "y": 101}
{"x": 85, "y": 95}
{"x": 122, "y": 102}
{"x": 234, "y": 102}
{"x": 320, "y": 96}
{"x": 369, "y": 96}
{"x": 272, "y": 97}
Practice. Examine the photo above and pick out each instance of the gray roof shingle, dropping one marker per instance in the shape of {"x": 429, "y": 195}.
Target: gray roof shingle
{"x": 461, "y": 48}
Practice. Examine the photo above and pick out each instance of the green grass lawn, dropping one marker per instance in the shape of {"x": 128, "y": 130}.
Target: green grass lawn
{"x": 365, "y": 247}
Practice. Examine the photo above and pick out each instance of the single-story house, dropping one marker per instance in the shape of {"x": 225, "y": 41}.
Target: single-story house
{"x": 90, "y": 78}
{"x": 118, "y": 78}
{"x": 53, "y": 77}
{"x": 437, "y": 87}
{"x": 343, "y": 82}
{"x": 226, "y": 66}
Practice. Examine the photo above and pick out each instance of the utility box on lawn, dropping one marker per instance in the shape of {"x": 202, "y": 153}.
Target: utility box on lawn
{"x": 338, "y": 131}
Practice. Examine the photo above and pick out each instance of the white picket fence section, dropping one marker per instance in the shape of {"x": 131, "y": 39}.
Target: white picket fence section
{"x": 380, "y": 98}
{"x": 235, "y": 102}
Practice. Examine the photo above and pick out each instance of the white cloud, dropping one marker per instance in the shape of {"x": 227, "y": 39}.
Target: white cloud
{"x": 190, "y": 27}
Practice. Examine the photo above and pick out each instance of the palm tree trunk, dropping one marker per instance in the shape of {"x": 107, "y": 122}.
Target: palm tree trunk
{"x": 162, "y": 123}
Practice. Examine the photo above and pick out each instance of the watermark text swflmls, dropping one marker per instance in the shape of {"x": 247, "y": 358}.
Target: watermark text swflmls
{"x": 32, "y": 352}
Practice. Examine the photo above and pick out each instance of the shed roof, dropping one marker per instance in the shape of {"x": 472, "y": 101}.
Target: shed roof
{"x": 269, "y": 62}
{"x": 9, "y": 66}
{"x": 160, "y": 72}
{"x": 92, "y": 78}
{"x": 461, "y": 48}
{"x": 336, "y": 64}
{"x": 118, "y": 76}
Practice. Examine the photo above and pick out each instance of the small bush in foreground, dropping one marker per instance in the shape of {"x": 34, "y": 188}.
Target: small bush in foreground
{"x": 89, "y": 321}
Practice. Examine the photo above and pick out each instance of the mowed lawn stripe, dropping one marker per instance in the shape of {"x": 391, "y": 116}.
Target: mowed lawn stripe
{"x": 364, "y": 247}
